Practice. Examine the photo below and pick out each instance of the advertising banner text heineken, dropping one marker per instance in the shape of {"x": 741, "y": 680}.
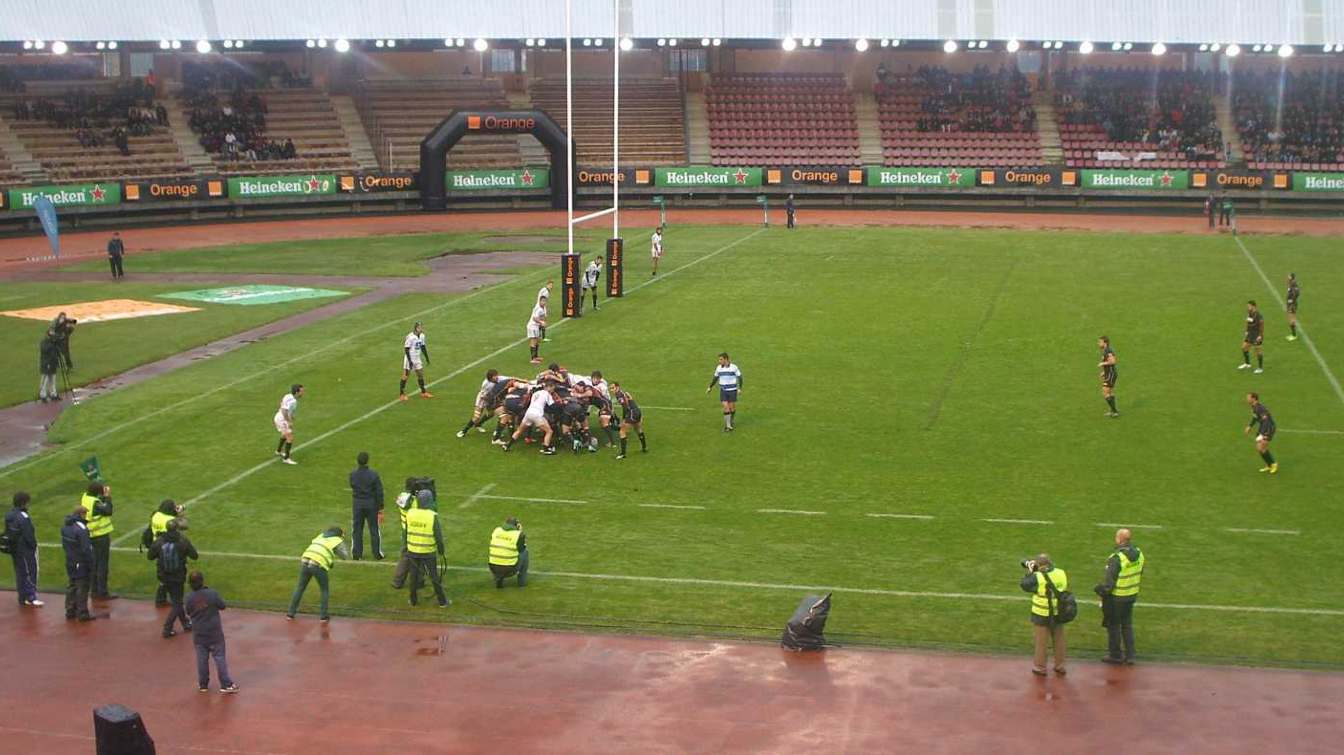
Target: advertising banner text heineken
{"x": 75, "y": 195}
{"x": 263, "y": 187}
{"x": 1314, "y": 182}
{"x": 486, "y": 180}
{"x": 921, "y": 178}
{"x": 1136, "y": 179}
{"x": 700, "y": 176}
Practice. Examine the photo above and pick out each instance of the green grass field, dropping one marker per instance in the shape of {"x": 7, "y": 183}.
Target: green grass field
{"x": 947, "y": 374}
{"x": 101, "y": 349}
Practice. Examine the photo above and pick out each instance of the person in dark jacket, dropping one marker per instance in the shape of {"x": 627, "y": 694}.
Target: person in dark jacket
{"x": 78, "y": 565}
{"x": 24, "y": 539}
{"x": 1119, "y": 591}
{"x": 366, "y": 490}
{"x": 171, "y": 550}
{"x": 789, "y": 210}
{"x": 115, "y": 251}
{"x": 48, "y": 364}
{"x": 203, "y": 606}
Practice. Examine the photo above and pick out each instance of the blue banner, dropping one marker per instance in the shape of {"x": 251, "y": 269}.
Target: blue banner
{"x": 46, "y": 212}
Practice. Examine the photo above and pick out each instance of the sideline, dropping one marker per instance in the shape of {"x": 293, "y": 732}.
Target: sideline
{"x": 395, "y": 402}
{"x": 1311, "y": 345}
{"x": 778, "y": 586}
{"x": 302, "y": 357}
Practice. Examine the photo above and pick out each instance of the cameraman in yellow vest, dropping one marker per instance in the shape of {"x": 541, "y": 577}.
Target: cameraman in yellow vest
{"x": 424, "y": 541}
{"x": 1044, "y": 603}
{"x": 1119, "y": 590}
{"x": 98, "y": 500}
{"x": 158, "y": 524}
{"x": 508, "y": 552}
{"x": 315, "y": 563}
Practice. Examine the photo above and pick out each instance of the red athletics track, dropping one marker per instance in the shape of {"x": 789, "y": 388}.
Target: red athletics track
{"x": 371, "y": 687}
{"x": 84, "y": 244}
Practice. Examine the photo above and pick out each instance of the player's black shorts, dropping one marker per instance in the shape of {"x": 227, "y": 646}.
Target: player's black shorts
{"x": 728, "y": 394}
{"x": 1267, "y": 431}
{"x": 633, "y": 418}
{"x": 1292, "y": 307}
{"x": 1109, "y": 379}
{"x": 514, "y": 406}
{"x": 1257, "y": 339}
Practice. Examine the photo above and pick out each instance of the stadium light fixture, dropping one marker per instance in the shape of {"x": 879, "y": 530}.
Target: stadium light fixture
{"x": 627, "y": 44}
{"x": 950, "y": 46}
{"x": 672, "y": 42}
{"x": 807, "y": 41}
{"x": 27, "y": 44}
{"x": 886, "y": 43}
{"x": 203, "y": 46}
{"x": 541, "y": 43}
{"x": 1085, "y": 48}
{"x": 1159, "y": 49}
{"x": 861, "y": 45}
{"x": 1204, "y": 47}
{"x": 308, "y": 43}
{"x": 322, "y": 43}
{"x": 588, "y": 42}
{"x": 228, "y": 44}
{"x": 1215, "y": 47}
{"x": 237, "y": 44}
{"x": 530, "y": 42}
{"x": 1285, "y": 51}
{"x": 816, "y": 42}
{"x": 342, "y": 45}
{"x": 984, "y": 43}
{"x": 39, "y": 44}
{"x": 716, "y": 41}
{"x": 1256, "y": 48}
{"x": 1233, "y": 50}
{"x": 1267, "y": 48}
{"x": 1115, "y": 47}
{"x": 1129, "y": 46}
{"x": 480, "y": 45}
{"x": 103, "y": 46}
{"x": 895, "y": 43}
{"x": 177, "y": 44}
{"x": 461, "y": 42}
{"x": 391, "y": 43}
{"x": 789, "y": 44}
{"x": 1013, "y": 45}
{"x": 597, "y": 41}
{"x": 60, "y": 48}
{"x": 662, "y": 42}
{"x": 704, "y": 41}
{"x": 379, "y": 43}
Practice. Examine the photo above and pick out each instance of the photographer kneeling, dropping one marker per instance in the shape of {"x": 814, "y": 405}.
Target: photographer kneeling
{"x": 1046, "y": 582}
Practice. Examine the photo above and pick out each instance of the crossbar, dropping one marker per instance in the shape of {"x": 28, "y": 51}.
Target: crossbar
{"x": 591, "y": 215}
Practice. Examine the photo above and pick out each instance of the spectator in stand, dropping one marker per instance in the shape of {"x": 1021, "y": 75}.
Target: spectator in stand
{"x": 151, "y": 82}
{"x": 123, "y": 143}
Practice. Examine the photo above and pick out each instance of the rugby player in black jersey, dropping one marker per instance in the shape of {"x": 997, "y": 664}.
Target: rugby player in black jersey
{"x": 1294, "y": 291}
{"x": 1255, "y": 336}
{"x": 1263, "y": 421}
{"x": 1109, "y": 374}
{"x": 631, "y": 418}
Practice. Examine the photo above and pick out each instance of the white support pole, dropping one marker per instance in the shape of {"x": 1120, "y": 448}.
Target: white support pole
{"x": 592, "y": 215}
{"x": 569, "y": 116}
{"x": 616, "y": 120}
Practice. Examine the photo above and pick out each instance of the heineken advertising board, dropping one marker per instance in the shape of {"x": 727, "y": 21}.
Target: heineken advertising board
{"x": 486, "y": 180}
{"x": 1136, "y": 179}
{"x": 66, "y": 196}
{"x": 1304, "y": 182}
{"x": 263, "y": 187}
{"x": 700, "y": 176}
{"x": 921, "y": 178}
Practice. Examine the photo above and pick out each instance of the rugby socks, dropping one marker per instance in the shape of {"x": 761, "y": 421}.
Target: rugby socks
{"x": 533, "y": 349}
{"x": 607, "y": 429}
{"x": 1246, "y": 356}
{"x": 1260, "y": 360}
{"x": 472, "y": 423}
{"x": 403, "y": 388}
{"x": 1293, "y": 327}
{"x": 642, "y": 445}
{"x": 727, "y": 421}
{"x": 288, "y": 448}
{"x": 732, "y": 418}
{"x": 1268, "y": 457}
{"x": 280, "y": 447}
{"x": 1110, "y": 401}
{"x": 421, "y": 381}
{"x": 623, "y": 446}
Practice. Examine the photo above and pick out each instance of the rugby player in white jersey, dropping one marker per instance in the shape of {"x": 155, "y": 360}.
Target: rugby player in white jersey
{"x": 536, "y": 417}
{"x": 415, "y": 355}
{"x": 729, "y": 379}
{"x": 491, "y": 389}
{"x": 590, "y": 278}
{"x": 536, "y": 326}
{"x": 601, "y": 398}
{"x": 284, "y": 422}
{"x": 544, "y": 295}
{"x": 656, "y": 247}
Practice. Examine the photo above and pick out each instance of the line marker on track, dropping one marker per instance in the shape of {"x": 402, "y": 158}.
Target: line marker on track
{"x": 901, "y": 516}
{"x": 777, "y": 586}
{"x": 791, "y": 511}
{"x": 669, "y": 408}
{"x": 1017, "y": 521}
{"x": 1311, "y": 345}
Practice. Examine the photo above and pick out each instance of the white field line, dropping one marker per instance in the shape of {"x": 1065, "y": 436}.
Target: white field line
{"x": 901, "y": 516}
{"x": 380, "y": 409}
{"x": 478, "y": 495}
{"x": 779, "y": 586}
{"x": 669, "y": 408}
{"x": 531, "y": 500}
{"x": 791, "y": 511}
{"x": 1312, "y": 432}
{"x": 306, "y": 356}
{"x": 1253, "y": 531}
{"x": 1311, "y": 345}
{"x": 669, "y": 506}
{"x": 1131, "y": 526}
{"x": 1017, "y": 521}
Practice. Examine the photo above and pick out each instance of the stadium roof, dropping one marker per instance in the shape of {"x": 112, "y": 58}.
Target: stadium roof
{"x": 1312, "y": 22}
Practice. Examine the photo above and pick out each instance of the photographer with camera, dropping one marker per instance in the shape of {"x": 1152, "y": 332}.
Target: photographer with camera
{"x": 97, "y": 501}
{"x": 1046, "y": 583}
{"x": 60, "y": 330}
{"x": 508, "y": 553}
{"x": 48, "y": 364}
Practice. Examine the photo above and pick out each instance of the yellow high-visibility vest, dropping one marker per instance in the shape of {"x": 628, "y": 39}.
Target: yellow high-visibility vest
{"x": 322, "y": 551}
{"x": 98, "y": 525}
{"x": 1127, "y": 582}
{"x": 504, "y": 546}
{"x": 158, "y": 523}
{"x": 1040, "y": 602}
{"x": 420, "y": 531}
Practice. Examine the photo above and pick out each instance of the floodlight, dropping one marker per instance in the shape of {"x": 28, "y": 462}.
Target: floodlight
{"x": 1085, "y": 48}
{"x": 480, "y": 45}
{"x": 1215, "y": 47}
{"x": 103, "y": 46}
{"x": 627, "y": 44}
{"x": 203, "y": 46}
{"x": 662, "y": 42}
{"x": 789, "y": 44}
{"x": 672, "y": 42}
{"x": 379, "y": 43}
{"x": 39, "y": 44}
{"x": 1204, "y": 48}
{"x": 1129, "y": 46}
{"x": 322, "y": 43}
{"x": 60, "y": 48}
{"x": 716, "y": 41}
{"x": 950, "y": 46}
{"x": 1159, "y": 49}
{"x": 342, "y": 45}
{"x": 886, "y": 43}
{"x": 1013, "y": 45}
{"x": 308, "y": 43}
{"x": 861, "y": 45}
{"x": 1285, "y": 51}
{"x": 704, "y": 41}
{"x": 1233, "y": 50}
{"x": 177, "y": 44}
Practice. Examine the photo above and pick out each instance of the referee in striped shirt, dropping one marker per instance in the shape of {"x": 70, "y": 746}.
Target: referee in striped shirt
{"x": 729, "y": 379}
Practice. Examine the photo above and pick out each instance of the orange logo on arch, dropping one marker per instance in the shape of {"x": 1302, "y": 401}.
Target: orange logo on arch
{"x": 474, "y": 122}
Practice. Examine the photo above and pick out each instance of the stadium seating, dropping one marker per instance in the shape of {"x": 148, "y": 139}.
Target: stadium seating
{"x": 1304, "y": 132}
{"x": 399, "y": 113}
{"x": 8, "y": 175}
{"x": 305, "y": 116}
{"x": 781, "y": 119}
{"x": 1167, "y": 113}
{"x": 979, "y": 119}
{"x": 652, "y": 118}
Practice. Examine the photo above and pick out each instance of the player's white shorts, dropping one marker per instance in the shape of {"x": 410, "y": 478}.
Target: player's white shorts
{"x": 533, "y": 330}
{"x": 281, "y": 425}
{"x": 480, "y": 400}
{"x": 656, "y": 253}
{"x": 1260, "y": 438}
{"x": 534, "y": 418}
{"x": 411, "y": 364}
